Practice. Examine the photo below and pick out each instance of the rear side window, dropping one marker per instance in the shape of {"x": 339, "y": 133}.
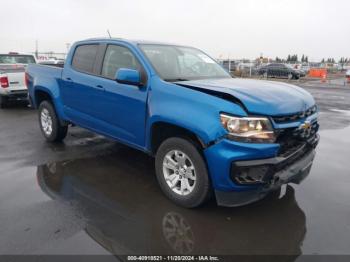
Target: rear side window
{"x": 84, "y": 58}
{"x": 16, "y": 59}
{"x": 118, "y": 57}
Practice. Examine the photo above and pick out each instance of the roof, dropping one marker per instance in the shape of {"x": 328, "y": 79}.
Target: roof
{"x": 128, "y": 40}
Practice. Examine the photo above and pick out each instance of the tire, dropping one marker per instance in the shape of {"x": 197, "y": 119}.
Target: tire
{"x": 3, "y": 102}
{"x": 50, "y": 126}
{"x": 185, "y": 154}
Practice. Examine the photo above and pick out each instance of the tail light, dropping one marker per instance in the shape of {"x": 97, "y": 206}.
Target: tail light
{"x": 4, "y": 81}
{"x": 26, "y": 79}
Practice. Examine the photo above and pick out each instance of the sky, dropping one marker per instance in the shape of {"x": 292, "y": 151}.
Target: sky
{"x": 224, "y": 29}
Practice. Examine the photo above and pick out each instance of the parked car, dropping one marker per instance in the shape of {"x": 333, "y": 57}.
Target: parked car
{"x": 347, "y": 76}
{"x": 12, "y": 77}
{"x": 209, "y": 133}
{"x": 280, "y": 71}
{"x": 305, "y": 68}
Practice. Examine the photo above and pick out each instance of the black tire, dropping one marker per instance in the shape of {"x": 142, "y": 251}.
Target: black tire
{"x": 59, "y": 131}
{"x": 202, "y": 189}
{"x": 3, "y": 102}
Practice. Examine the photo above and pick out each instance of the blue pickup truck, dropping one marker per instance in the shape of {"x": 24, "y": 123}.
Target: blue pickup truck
{"x": 210, "y": 134}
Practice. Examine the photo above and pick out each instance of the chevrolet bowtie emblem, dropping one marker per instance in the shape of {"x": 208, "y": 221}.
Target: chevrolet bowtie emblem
{"x": 306, "y": 125}
{"x": 305, "y": 129}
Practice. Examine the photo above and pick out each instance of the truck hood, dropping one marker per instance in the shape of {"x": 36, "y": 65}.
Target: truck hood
{"x": 259, "y": 97}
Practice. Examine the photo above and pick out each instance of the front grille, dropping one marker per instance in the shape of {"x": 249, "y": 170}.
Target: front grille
{"x": 290, "y": 118}
{"x": 292, "y": 139}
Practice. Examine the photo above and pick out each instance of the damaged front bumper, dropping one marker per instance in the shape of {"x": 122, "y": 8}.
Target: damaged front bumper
{"x": 251, "y": 180}
{"x": 293, "y": 173}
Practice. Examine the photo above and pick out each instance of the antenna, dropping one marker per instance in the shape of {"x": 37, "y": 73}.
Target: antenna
{"x": 109, "y": 33}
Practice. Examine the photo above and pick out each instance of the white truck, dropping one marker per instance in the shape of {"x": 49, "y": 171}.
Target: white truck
{"x": 12, "y": 77}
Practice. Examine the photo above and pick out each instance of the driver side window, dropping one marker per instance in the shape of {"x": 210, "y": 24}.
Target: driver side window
{"x": 118, "y": 57}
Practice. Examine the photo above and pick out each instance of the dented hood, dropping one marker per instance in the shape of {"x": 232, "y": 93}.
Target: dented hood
{"x": 258, "y": 96}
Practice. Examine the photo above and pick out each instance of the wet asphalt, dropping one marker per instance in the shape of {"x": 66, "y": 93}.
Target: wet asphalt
{"x": 91, "y": 195}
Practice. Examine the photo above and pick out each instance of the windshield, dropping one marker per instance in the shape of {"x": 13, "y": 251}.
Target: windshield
{"x": 16, "y": 59}
{"x": 178, "y": 63}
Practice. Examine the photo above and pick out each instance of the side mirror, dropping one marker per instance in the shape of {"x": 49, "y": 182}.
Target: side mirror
{"x": 128, "y": 77}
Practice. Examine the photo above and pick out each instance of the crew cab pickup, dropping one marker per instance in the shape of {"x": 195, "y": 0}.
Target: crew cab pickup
{"x": 209, "y": 133}
{"x": 12, "y": 80}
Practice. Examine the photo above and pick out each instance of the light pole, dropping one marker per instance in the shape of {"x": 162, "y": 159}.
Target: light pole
{"x": 67, "y": 46}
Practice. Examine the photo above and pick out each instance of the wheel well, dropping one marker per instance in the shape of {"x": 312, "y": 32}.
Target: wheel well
{"x": 41, "y": 96}
{"x": 161, "y": 131}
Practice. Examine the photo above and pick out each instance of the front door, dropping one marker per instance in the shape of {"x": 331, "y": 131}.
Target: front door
{"x": 122, "y": 110}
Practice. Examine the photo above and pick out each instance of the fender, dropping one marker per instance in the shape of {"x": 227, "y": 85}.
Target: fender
{"x": 53, "y": 92}
{"x": 174, "y": 104}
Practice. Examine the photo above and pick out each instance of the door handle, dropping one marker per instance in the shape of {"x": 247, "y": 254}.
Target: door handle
{"x": 68, "y": 79}
{"x": 99, "y": 86}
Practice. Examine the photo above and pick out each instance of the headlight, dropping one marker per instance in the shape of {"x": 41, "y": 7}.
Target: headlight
{"x": 248, "y": 129}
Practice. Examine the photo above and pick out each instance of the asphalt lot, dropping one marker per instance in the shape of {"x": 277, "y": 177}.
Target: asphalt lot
{"x": 91, "y": 195}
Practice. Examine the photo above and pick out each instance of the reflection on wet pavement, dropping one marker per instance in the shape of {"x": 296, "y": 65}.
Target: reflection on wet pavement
{"x": 94, "y": 196}
{"x": 126, "y": 213}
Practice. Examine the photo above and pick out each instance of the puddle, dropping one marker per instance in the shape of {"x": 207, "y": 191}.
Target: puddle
{"x": 111, "y": 203}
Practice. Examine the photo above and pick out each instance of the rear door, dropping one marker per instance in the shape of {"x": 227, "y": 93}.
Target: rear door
{"x": 285, "y": 70}
{"x": 271, "y": 70}
{"x": 80, "y": 89}
{"x": 278, "y": 71}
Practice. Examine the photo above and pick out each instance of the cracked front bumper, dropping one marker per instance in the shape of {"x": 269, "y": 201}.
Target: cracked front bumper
{"x": 294, "y": 173}
{"x": 226, "y": 157}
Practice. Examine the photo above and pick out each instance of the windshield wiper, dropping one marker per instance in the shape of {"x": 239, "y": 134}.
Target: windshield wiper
{"x": 176, "y": 80}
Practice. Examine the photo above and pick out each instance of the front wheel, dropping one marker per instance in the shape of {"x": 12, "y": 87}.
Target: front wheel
{"x": 182, "y": 173}
{"x": 49, "y": 123}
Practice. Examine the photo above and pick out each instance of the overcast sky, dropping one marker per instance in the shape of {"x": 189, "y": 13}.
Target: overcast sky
{"x": 242, "y": 28}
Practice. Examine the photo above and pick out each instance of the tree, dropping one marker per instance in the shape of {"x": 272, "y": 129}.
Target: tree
{"x": 306, "y": 59}
{"x": 288, "y": 58}
{"x": 303, "y": 59}
{"x": 322, "y": 60}
{"x": 342, "y": 62}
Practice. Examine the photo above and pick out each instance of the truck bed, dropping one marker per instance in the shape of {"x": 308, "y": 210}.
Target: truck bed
{"x": 45, "y": 77}
{"x": 49, "y": 71}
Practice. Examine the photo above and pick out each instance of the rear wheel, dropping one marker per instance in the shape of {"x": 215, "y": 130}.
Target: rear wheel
{"x": 49, "y": 123}
{"x": 182, "y": 172}
{"x": 3, "y": 101}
